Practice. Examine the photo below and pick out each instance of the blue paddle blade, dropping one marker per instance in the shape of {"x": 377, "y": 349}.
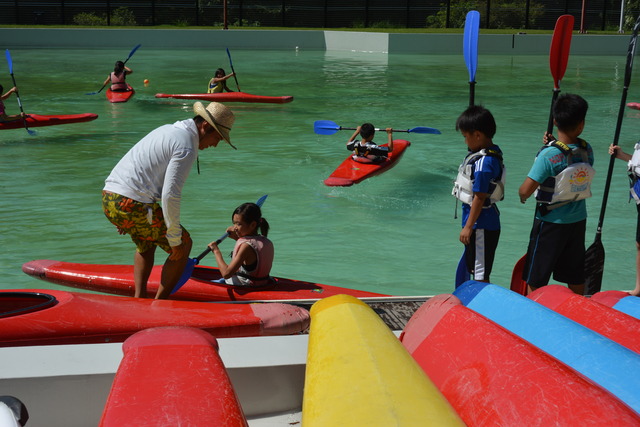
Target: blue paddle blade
{"x": 325, "y": 127}
{"x": 422, "y": 129}
{"x": 9, "y": 61}
{"x": 186, "y": 274}
{"x": 470, "y": 42}
{"x": 132, "y": 52}
{"x": 261, "y": 200}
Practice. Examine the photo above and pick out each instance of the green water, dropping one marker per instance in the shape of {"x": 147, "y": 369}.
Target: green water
{"x": 394, "y": 233}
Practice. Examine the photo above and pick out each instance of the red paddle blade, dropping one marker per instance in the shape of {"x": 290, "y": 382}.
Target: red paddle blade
{"x": 560, "y": 46}
{"x": 517, "y": 284}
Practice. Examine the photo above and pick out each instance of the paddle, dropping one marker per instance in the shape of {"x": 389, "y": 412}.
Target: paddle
{"x": 125, "y": 61}
{"x": 232, "y": 70}
{"x": 10, "y": 62}
{"x": 558, "y": 59}
{"x": 192, "y": 262}
{"x": 470, "y": 52}
{"x": 470, "y": 49}
{"x": 327, "y": 127}
{"x": 594, "y": 256}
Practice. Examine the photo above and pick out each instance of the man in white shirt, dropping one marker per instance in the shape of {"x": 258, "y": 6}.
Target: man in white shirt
{"x": 153, "y": 172}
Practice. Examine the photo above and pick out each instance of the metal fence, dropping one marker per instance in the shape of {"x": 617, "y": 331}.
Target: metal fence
{"x": 517, "y": 14}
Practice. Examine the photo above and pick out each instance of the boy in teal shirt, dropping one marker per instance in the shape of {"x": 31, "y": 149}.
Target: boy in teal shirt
{"x": 561, "y": 177}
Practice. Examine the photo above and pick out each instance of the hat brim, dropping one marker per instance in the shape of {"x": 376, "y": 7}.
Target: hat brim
{"x": 201, "y": 111}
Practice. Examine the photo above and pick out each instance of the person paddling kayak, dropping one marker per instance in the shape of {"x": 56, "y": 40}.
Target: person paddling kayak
{"x": 367, "y": 151}
{"x": 118, "y": 77}
{"x": 3, "y": 115}
{"x": 218, "y": 83}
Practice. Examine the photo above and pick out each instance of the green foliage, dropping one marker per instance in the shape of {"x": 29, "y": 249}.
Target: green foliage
{"x": 384, "y": 24}
{"x": 89, "y": 20}
{"x": 182, "y": 23}
{"x": 122, "y": 16}
{"x": 504, "y": 13}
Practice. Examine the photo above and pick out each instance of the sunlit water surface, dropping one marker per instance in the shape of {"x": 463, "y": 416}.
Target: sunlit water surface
{"x": 394, "y": 233}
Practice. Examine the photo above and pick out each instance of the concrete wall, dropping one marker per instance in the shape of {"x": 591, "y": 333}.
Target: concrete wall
{"x": 517, "y": 44}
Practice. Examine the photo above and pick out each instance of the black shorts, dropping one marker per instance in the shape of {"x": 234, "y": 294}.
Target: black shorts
{"x": 480, "y": 252}
{"x": 638, "y": 226}
{"x": 556, "y": 249}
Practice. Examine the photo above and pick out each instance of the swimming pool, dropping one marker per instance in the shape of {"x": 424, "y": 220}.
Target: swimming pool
{"x": 394, "y": 233}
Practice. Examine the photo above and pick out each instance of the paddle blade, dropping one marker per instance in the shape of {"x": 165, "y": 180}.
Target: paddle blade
{"x": 7, "y": 54}
{"x": 462, "y": 274}
{"x": 186, "y": 274}
{"x": 560, "y": 47}
{"x": 325, "y": 127}
{"x": 470, "y": 42}
{"x": 132, "y": 52}
{"x": 261, "y": 200}
{"x": 594, "y": 267}
{"x": 517, "y": 284}
{"x": 422, "y": 129}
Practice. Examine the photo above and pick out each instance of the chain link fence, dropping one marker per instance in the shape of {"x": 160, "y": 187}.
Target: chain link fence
{"x": 595, "y": 15}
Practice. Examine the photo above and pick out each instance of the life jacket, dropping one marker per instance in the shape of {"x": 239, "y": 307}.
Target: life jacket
{"x": 215, "y": 87}
{"x": 264, "y": 260}
{"x": 368, "y": 152}
{"x": 573, "y": 183}
{"x": 634, "y": 173}
{"x": 463, "y": 185}
{"x": 118, "y": 83}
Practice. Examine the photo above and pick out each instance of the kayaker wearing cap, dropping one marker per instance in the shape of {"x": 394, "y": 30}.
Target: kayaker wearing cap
{"x": 141, "y": 196}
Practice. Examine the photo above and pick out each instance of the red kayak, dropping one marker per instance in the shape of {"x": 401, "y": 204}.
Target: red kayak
{"x": 46, "y": 317}
{"x": 613, "y": 324}
{"x": 351, "y": 172}
{"x": 634, "y": 105}
{"x": 122, "y": 96}
{"x": 118, "y": 279}
{"x": 484, "y": 371}
{"x": 229, "y": 97}
{"x": 38, "y": 120}
{"x": 172, "y": 377}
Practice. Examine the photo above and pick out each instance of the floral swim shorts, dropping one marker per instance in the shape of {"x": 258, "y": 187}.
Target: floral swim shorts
{"x": 144, "y": 222}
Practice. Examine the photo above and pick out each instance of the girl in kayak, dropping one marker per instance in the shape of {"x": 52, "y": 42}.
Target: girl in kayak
{"x": 218, "y": 83}
{"x": 3, "y": 115}
{"x": 252, "y": 255}
{"x": 118, "y": 77}
{"x": 367, "y": 151}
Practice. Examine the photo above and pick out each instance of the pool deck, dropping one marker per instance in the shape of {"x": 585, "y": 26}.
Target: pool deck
{"x": 511, "y": 44}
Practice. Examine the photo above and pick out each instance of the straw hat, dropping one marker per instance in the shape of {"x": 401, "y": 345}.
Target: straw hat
{"x": 217, "y": 115}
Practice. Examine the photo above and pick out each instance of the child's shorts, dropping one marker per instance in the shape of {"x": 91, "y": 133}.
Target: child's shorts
{"x": 556, "y": 249}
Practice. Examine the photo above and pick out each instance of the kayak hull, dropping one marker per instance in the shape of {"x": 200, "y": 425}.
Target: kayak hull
{"x": 229, "y": 97}
{"x": 118, "y": 279}
{"x": 351, "y": 172}
{"x": 484, "y": 370}
{"x": 194, "y": 388}
{"x": 116, "y": 97}
{"x": 46, "y": 317}
{"x": 39, "y": 120}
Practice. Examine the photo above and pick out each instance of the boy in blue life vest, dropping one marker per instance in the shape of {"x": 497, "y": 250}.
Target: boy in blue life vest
{"x": 479, "y": 185}
{"x": 561, "y": 178}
